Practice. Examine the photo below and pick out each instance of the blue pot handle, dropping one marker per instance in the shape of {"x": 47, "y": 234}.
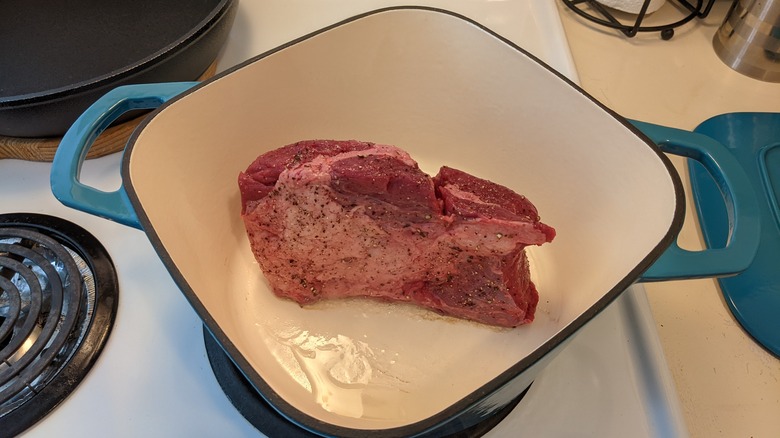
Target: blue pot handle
{"x": 75, "y": 144}
{"x": 740, "y": 200}
{"x": 674, "y": 263}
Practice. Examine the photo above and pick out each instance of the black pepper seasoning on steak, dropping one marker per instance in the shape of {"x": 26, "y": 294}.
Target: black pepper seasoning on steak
{"x": 330, "y": 219}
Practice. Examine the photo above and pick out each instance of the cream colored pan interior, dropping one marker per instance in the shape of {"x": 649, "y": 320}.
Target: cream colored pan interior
{"x": 450, "y": 93}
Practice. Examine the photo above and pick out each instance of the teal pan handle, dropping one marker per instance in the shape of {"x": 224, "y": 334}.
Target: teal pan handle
{"x": 75, "y": 144}
{"x": 738, "y": 195}
{"x": 674, "y": 263}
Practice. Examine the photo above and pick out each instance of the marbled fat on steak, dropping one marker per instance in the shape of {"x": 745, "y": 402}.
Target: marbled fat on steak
{"x": 332, "y": 219}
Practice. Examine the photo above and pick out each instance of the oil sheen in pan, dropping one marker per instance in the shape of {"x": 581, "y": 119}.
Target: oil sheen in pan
{"x": 369, "y": 360}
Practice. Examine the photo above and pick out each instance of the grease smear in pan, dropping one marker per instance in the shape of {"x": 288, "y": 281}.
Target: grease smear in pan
{"x": 374, "y": 362}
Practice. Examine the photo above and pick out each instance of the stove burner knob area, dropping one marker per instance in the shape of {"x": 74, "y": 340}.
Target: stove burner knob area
{"x": 58, "y": 300}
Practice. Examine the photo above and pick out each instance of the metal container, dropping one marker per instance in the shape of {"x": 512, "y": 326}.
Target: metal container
{"x": 748, "y": 41}
{"x": 447, "y": 90}
{"x": 57, "y": 59}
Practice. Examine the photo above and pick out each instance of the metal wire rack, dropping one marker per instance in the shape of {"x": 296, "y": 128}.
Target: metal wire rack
{"x": 596, "y": 12}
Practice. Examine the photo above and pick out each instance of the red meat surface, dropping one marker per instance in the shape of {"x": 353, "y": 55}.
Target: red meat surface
{"x": 332, "y": 219}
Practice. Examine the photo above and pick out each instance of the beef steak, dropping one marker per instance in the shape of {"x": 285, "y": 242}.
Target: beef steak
{"x": 332, "y": 219}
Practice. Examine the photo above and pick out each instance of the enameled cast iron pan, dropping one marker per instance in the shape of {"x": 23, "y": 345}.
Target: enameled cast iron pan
{"x": 58, "y": 57}
{"x": 450, "y": 92}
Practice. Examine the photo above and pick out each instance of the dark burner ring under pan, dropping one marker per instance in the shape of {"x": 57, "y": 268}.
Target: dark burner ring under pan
{"x": 268, "y": 421}
{"x": 58, "y": 301}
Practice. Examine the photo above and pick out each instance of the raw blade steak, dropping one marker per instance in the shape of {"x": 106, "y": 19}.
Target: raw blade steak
{"x": 332, "y": 219}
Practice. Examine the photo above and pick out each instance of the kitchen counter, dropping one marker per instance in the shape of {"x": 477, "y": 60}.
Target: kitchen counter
{"x": 727, "y": 384}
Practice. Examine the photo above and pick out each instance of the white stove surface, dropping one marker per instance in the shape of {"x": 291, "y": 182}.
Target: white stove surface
{"x": 154, "y": 379}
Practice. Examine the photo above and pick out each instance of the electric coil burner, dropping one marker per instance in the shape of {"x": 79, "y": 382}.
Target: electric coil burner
{"x": 58, "y": 301}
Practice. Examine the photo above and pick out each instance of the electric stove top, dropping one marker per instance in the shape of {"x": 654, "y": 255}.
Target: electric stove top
{"x": 154, "y": 376}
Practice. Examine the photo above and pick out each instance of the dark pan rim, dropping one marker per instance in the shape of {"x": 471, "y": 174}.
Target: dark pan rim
{"x": 431, "y": 424}
{"x": 127, "y": 71}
